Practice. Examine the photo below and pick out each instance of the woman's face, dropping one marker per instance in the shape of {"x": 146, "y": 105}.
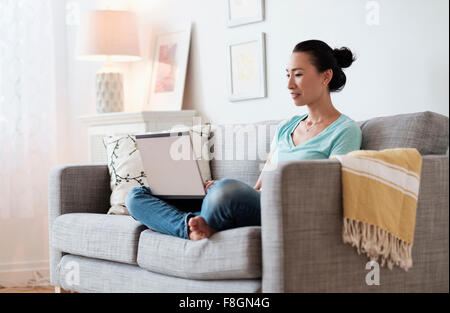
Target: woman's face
{"x": 305, "y": 83}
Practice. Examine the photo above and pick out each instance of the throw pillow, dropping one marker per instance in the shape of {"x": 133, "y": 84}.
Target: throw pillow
{"x": 125, "y": 163}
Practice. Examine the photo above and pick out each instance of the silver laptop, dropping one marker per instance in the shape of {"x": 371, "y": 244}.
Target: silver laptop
{"x": 170, "y": 166}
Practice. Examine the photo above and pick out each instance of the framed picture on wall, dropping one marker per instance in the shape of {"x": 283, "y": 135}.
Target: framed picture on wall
{"x": 169, "y": 71}
{"x": 247, "y": 68}
{"x": 242, "y": 12}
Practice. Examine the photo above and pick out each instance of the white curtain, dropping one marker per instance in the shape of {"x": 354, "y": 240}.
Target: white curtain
{"x": 27, "y": 128}
{"x": 27, "y": 106}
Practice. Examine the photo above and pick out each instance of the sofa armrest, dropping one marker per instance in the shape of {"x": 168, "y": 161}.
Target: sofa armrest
{"x": 75, "y": 188}
{"x": 303, "y": 251}
{"x": 79, "y": 188}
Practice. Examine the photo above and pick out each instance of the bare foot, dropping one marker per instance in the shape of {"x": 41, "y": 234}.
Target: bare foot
{"x": 199, "y": 229}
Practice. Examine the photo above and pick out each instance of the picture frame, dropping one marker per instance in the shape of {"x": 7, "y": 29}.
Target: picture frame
{"x": 247, "y": 67}
{"x": 241, "y": 12}
{"x": 169, "y": 70}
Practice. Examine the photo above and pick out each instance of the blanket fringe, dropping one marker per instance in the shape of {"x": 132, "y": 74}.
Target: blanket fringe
{"x": 376, "y": 243}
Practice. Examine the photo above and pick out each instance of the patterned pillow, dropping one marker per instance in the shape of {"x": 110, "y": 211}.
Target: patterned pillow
{"x": 125, "y": 164}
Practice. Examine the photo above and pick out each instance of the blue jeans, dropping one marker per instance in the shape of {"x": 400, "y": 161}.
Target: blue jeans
{"x": 228, "y": 203}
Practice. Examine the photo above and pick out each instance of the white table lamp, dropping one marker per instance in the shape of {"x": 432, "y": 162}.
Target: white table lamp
{"x": 109, "y": 36}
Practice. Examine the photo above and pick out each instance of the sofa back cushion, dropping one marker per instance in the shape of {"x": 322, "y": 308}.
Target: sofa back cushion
{"x": 240, "y": 151}
{"x": 425, "y": 131}
{"x": 233, "y": 146}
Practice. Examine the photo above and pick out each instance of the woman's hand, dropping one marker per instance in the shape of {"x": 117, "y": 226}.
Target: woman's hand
{"x": 258, "y": 184}
{"x": 208, "y": 184}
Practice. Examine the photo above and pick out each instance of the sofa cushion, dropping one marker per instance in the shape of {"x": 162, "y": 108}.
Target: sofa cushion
{"x": 108, "y": 237}
{"x": 425, "y": 131}
{"x": 240, "y": 151}
{"x": 229, "y": 254}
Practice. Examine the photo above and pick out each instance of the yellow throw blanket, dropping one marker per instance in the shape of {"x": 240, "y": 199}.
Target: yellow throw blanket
{"x": 380, "y": 191}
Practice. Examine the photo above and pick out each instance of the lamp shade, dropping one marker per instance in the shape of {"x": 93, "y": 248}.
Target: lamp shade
{"x": 108, "y": 35}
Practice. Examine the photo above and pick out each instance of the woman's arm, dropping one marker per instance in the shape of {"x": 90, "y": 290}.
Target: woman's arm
{"x": 259, "y": 182}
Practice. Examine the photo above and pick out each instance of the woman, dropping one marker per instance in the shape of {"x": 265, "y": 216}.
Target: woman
{"x": 314, "y": 70}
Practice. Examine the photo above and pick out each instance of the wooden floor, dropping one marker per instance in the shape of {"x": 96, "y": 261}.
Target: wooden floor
{"x": 50, "y": 289}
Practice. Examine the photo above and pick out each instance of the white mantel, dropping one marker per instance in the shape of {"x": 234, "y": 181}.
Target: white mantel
{"x": 121, "y": 123}
{"x": 135, "y": 117}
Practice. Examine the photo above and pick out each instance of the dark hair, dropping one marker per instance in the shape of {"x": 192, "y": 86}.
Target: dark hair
{"x": 324, "y": 58}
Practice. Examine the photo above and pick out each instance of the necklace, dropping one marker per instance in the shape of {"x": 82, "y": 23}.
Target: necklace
{"x": 312, "y": 126}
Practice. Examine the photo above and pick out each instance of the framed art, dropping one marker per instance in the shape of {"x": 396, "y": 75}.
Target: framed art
{"x": 247, "y": 68}
{"x": 169, "y": 71}
{"x": 242, "y": 12}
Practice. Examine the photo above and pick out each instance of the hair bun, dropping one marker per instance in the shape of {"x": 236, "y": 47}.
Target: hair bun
{"x": 344, "y": 57}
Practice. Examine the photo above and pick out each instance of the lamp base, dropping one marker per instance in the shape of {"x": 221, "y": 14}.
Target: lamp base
{"x": 109, "y": 92}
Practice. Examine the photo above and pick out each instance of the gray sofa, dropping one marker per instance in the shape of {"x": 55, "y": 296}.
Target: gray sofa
{"x": 298, "y": 248}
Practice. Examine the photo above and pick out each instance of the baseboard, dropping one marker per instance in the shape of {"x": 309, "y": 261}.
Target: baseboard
{"x": 25, "y": 274}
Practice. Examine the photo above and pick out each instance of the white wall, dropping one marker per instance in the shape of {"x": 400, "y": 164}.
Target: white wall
{"x": 402, "y": 63}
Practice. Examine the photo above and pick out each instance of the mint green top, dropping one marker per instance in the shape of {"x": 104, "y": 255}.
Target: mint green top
{"x": 340, "y": 137}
